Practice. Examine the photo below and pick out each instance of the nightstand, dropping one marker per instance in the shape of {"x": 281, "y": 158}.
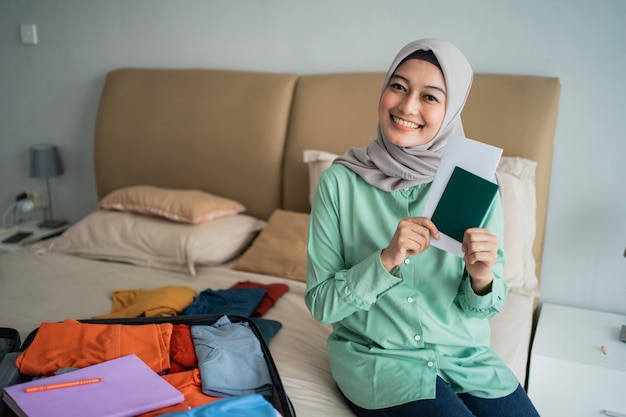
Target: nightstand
{"x": 578, "y": 363}
{"x": 38, "y": 234}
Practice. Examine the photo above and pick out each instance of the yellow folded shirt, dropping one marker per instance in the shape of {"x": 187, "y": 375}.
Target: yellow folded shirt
{"x": 159, "y": 302}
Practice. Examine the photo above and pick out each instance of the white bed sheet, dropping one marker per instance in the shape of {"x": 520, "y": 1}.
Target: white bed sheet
{"x": 53, "y": 287}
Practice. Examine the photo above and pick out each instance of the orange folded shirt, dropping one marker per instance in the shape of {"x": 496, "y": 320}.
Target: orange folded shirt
{"x": 71, "y": 344}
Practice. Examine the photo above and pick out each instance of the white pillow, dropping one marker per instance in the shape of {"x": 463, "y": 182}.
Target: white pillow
{"x": 317, "y": 162}
{"x": 517, "y": 177}
{"x": 156, "y": 242}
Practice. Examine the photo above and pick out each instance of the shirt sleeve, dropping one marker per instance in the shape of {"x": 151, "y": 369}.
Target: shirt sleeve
{"x": 485, "y": 306}
{"x": 335, "y": 291}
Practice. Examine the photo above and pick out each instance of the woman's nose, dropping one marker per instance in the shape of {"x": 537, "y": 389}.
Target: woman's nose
{"x": 409, "y": 105}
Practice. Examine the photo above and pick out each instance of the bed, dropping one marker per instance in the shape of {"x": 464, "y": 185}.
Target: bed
{"x": 241, "y": 137}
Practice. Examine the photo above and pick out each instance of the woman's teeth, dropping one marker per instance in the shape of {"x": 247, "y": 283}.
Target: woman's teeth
{"x": 405, "y": 123}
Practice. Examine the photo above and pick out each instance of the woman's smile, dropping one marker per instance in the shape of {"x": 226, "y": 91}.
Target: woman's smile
{"x": 404, "y": 124}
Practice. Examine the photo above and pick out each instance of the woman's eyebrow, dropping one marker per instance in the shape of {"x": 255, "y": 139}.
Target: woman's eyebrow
{"x": 436, "y": 88}
{"x": 406, "y": 80}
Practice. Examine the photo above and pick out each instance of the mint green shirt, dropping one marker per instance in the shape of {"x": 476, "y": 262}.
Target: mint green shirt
{"x": 395, "y": 332}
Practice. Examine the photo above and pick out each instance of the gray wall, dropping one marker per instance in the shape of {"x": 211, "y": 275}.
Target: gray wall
{"x": 49, "y": 92}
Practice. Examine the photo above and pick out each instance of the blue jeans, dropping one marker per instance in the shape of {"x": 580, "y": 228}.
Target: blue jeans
{"x": 450, "y": 404}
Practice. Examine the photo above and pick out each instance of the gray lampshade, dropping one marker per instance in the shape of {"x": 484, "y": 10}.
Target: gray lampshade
{"x": 45, "y": 161}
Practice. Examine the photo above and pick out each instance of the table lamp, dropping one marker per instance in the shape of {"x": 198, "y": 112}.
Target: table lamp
{"x": 45, "y": 162}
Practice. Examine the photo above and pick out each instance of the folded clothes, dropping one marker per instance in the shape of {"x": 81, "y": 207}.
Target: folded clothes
{"x": 252, "y": 405}
{"x": 230, "y": 359}
{"x": 182, "y": 352}
{"x": 272, "y": 293}
{"x": 239, "y": 302}
{"x": 160, "y": 302}
{"x": 71, "y": 344}
{"x": 187, "y": 382}
{"x": 268, "y": 328}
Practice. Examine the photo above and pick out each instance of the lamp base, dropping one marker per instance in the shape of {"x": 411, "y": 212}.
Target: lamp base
{"x": 52, "y": 224}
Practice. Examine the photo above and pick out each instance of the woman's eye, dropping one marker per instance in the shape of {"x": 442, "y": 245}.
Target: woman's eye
{"x": 396, "y": 86}
{"x": 430, "y": 97}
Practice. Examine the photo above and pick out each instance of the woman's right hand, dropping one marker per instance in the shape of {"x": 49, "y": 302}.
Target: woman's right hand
{"x": 412, "y": 236}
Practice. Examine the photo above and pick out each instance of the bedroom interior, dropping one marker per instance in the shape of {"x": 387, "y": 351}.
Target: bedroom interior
{"x": 156, "y": 228}
{"x": 131, "y": 82}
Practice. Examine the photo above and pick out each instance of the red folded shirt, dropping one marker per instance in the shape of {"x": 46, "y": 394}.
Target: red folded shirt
{"x": 272, "y": 293}
{"x": 183, "y": 353}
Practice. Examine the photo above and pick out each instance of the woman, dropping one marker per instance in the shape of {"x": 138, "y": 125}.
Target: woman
{"x": 410, "y": 330}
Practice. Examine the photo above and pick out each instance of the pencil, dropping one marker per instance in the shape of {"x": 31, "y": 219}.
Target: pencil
{"x": 63, "y": 384}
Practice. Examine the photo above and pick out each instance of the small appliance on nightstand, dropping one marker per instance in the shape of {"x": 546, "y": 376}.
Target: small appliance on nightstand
{"x": 27, "y": 233}
{"x": 578, "y": 363}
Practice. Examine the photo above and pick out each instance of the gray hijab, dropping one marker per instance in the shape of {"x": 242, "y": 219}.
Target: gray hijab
{"x": 390, "y": 167}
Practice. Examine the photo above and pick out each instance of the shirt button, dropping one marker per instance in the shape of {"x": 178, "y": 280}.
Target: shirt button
{"x": 417, "y": 337}
{"x": 430, "y": 364}
{"x": 410, "y": 300}
{"x": 407, "y": 261}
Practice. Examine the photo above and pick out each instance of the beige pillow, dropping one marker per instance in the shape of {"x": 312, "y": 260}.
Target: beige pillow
{"x": 185, "y": 206}
{"x": 280, "y": 249}
{"x": 517, "y": 177}
{"x": 155, "y": 242}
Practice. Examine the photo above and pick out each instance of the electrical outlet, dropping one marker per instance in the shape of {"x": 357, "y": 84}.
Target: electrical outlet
{"x": 35, "y": 197}
{"x": 26, "y": 205}
{"x": 28, "y": 34}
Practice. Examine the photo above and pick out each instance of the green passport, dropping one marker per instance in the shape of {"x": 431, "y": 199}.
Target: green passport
{"x": 463, "y": 204}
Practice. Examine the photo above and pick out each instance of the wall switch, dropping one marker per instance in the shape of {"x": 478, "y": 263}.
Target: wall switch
{"x": 28, "y": 34}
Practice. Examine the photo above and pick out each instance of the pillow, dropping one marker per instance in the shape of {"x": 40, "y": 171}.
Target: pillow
{"x": 280, "y": 248}
{"x": 317, "y": 161}
{"x": 517, "y": 181}
{"x": 185, "y": 206}
{"x": 155, "y": 242}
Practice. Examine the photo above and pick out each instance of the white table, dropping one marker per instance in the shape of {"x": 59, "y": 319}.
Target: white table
{"x": 30, "y": 226}
{"x": 578, "y": 363}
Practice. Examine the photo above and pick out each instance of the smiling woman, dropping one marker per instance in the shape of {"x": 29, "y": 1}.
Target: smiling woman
{"x": 410, "y": 321}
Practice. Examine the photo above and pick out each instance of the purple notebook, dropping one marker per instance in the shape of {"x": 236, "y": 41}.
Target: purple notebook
{"x": 130, "y": 387}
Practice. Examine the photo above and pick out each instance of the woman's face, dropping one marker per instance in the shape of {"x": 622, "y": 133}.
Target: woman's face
{"x": 413, "y": 104}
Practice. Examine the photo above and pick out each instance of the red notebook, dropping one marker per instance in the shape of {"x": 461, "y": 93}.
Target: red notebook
{"x": 130, "y": 387}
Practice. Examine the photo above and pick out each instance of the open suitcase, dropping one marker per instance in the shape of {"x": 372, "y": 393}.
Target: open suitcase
{"x": 10, "y": 344}
{"x": 278, "y": 397}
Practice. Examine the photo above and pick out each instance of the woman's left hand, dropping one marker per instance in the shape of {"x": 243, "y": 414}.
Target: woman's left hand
{"x": 480, "y": 248}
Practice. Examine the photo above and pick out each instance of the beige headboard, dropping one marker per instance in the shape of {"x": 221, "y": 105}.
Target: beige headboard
{"x": 335, "y": 111}
{"x": 219, "y": 131}
{"x": 241, "y": 134}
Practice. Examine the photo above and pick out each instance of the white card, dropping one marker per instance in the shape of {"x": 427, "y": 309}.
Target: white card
{"x": 476, "y": 157}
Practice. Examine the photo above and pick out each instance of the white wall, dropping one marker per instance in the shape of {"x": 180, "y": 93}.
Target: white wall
{"x": 49, "y": 92}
